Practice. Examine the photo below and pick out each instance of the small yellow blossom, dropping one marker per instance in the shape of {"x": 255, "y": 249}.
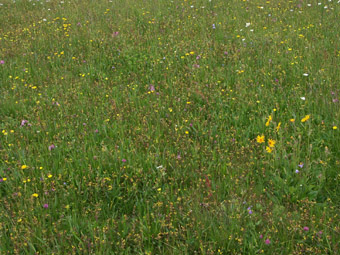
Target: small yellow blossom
{"x": 292, "y": 120}
{"x": 269, "y": 120}
{"x": 23, "y": 167}
{"x": 305, "y": 118}
{"x": 335, "y": 127}
{"x": 278, "y": 127}
{"x": 271, "y": 143}
{"x": 260, "y": 139}
{"x": 35, "y": 195}
{"x": 268, "y": 149}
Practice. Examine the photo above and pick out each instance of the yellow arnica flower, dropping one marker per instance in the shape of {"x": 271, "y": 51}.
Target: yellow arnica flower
{"x": 278, "y": 127}
{"x": 305, "y": 118}
{"x": 268, "y": 149}
{"x": 260, "y": 139}
{"x": 268, "y": 121}
{"x": 271, "y": 143}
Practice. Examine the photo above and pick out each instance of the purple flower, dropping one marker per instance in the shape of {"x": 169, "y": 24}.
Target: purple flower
{"x": 96, "y": 131}
{"x": 23, "y": 122}
{"x": 297, "y": 171}
{"x": 306, "y": 228}
{"x": 2, "y": 62}
{"x": 152, "y": 88}
{"x": 261, "y": 236}
{"x": 1, "y": 180}
{"x": 123, "y": 160}
{"x": 301, "y": 165}
{"x": 198, "y": 57}
{"x": 213, "y": 26}
{"x": 51, "y": 147}
{"x": 267, "y": 241}
{"x": 45, "y": 205}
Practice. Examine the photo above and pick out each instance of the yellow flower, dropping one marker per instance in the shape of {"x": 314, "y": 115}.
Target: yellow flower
{"x": 260, "y": 139}
{"x": 292, "y": 120}
{"x": 305, "y": 118}
{"x": 335, "y": 127}
{"x": 23, "y": 167}
{"x": 271, "y": 143}
{"x": 268, "y": 121}
{"x": 268, "y": 149}
{"x": 278, "y": 127}
{"x": 35, "y": 195}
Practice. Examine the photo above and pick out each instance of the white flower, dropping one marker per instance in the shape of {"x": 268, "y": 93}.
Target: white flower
{"x": 306, "y": 74}
{"x": 247, "y": 24}
{"x": 303, "y": 98}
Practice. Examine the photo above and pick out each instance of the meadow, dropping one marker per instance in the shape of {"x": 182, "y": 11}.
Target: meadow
{"x": 169, "y": 127}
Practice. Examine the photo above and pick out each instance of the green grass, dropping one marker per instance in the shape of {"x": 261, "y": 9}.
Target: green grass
{"x": 133, "y": 127}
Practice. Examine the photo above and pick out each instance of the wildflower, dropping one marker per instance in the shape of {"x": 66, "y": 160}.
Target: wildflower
{"x": 152, "y": 88}
{"x": 51, "y": 147}
{"x": 305, "y": 118}
{"x": 260, "y": 139}
{"x": 278, "y": 127}
{"x": 23, "y": 167}
{"x": 123, "y": 160}
{"x": 45, "y": 205}
{"x": 301, "y": 165}
{"x": 306, "y": 228}
{"x": 267, "y": 241}
{"x": 268, "y": 149}
{"x": 305, "y": 74}
{"x": 23, "y": 122}
{"x": 302, "y": 98}
{"x": 271, "y": 143}
{"x": 2, "y": 62}
{"x": 297, "y": 171}
{"x": 35, "y": 195}
{"x": 292, "y": 120}
{"x": 247, "y": 24}
{"x": 335, "y": 127}
{"x": 261, "y": 236}
{"x": 268, "y": 120}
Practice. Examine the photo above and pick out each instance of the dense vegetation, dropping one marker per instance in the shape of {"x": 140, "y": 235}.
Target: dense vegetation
{"x": 169, "y": 127}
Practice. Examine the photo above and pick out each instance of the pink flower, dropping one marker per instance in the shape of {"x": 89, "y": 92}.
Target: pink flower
{"x": 152, "y": 88}
{"x": 23, "y": 122}
{"x": 51, "y": 147}
{"x": 306, "y": 228}
{"x": 267, "y": 241}
{"x": 2, "y": 62}
{"x": 45, "y": 205}
{"x": 261, "y": 236}
{"x": 123, "y": 160}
